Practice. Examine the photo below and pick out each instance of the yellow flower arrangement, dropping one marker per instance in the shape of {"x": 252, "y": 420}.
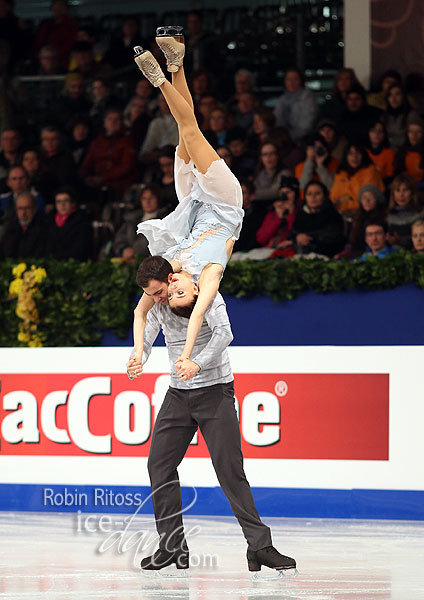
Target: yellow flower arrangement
{"x": 24, "y": 288}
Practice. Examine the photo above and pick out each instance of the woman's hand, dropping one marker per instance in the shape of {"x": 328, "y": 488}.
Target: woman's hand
{"x": 284, "y": 244}
{"x": 310, "y": 153}
{"x": 134, "y": 367}
{"x": 186, "y": 368}
{"x": 302, "y": 239}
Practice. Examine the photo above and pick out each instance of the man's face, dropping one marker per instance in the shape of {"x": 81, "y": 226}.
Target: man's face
{"x": 17, "y": 180}
{"x": 112, "y": 123}
{"x": 50, "y": 142}
{"x": 418, "y": 237}
{"x": 354, "y": 102}
{"x": 375, "y": 238}
{"x": 158, "y": 290}
{"x": 25, "y": 209}
{"x": 10, "y": 140}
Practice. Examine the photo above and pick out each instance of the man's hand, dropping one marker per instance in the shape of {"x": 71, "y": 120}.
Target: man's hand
{"x": 186, "y": 368}
{"x": 303, "y": 239}
{"x": 134, "y": 368}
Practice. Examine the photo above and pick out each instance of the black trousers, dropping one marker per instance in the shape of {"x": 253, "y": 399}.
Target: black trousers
{"x": 212, "y": 410}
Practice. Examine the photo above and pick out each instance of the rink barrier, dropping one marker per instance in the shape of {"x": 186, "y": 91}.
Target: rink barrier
{"x": 271, "y": 502}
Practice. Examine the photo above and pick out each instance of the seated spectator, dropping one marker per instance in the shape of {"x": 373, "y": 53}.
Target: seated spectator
{"x": 121, "y": 45}
{"x": 404, "y": 208}
{"x": 264, "y": 130}
{"x": 376, "y": 240}
{"x": 144, "y": 90}
{"x": 84, "y": 61}
{"x": 32, "y": 162}
{"x": 220, "y": 122}
{"x": 110, "y": 160}
{"x": 335, "y": 103}
{"x": 69, "y": 232}
{"x": 10, "y": 142}
{"x": 417, "y": 236}
{"x": 136, "y": 120}
{"x": 206, "y": 104}
{"x": 162, "y": 131}
{"x": 397, "y": 115}
{"x": 254, "y": 214}
{"x": 80, "y": 140}
{"x": 335, "y": 143}
{"x": 268, "y": 173}
{"x": 296, "y": 108}
{"x": 243, "y": 83}
{"x": 59, "y": 167}
{"x": 410, "y": 158}
{"x": 18, "y": 182}
{"x": 60, "y": 31}
{"x": 244, "y": 110}
{"x": 243, "y": 164}
{"x": 378, "y": 99}
{"x": 72, "y": 102}
{"x": 317, "y": 156}
{"x": 355, "y": 170}
{"x": 372, "y": 205}
{"x": 262, "y": 126}
{"x": 357, "y": 116}
{"x": 277, "y": 224}
{"x": 318, "y": 227}
{"x": 25, "y": 233}
{"x": 127, "y": 244}
{"x": 102, "y": 98}
{"x": 379, "y": 152}
{"x": 164, "y": 177}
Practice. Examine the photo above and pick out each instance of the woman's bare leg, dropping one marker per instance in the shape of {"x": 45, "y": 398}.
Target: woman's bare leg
{"x": 196, "y": 145}
{"x": 180, "y": 83}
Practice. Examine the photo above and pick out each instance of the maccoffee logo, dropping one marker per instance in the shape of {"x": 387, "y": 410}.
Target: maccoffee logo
{"x": 281, "y": 415}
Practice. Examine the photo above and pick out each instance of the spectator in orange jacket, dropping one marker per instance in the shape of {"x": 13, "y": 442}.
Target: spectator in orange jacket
{"x": 356, "y": 170}
{"x": 111, "y": 159}
{"x": 379, "y": 152}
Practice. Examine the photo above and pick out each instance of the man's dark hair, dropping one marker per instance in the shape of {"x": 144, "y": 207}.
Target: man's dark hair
{"x": 69, "y": 191}
{"x": 185, "y": 311}
{"x": 376, "y": 223}
{"x": 153, "y": 267}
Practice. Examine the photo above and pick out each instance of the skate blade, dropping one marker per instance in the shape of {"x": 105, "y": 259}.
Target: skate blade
{"x": 277, "y": 574}
{"x": 166, "y": 573}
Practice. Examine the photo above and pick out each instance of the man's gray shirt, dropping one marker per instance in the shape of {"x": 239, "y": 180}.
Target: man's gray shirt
{"x": 210, "y": 349}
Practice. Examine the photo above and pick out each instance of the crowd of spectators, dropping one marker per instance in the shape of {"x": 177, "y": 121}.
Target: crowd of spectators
{"x": 87, "y": 151}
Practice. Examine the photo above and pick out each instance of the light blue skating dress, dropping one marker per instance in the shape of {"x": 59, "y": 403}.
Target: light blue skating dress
{"x": 208, "y": 214}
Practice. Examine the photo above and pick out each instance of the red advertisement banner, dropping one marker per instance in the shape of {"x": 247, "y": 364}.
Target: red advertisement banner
{"x": 293, "y": 416}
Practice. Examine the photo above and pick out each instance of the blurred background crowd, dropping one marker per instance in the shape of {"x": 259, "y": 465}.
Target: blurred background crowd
{"x": 87, "y": 144}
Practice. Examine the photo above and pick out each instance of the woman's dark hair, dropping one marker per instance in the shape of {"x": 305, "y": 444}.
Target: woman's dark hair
{"x": 153, "y": 267}
{"x": 156, "y": 191}
{"x": 185, "y": 311}
{"x": 385, "y": 143}
{"x": 167, "y": 152}
{"x": 69, "y": 191}
{"x": 320, "y": 185}
{"x": 365, "y": 160}
{"x": 267, "y": 116}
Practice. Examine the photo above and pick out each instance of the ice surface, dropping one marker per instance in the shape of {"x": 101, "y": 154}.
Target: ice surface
{"x": 56, "y": 556}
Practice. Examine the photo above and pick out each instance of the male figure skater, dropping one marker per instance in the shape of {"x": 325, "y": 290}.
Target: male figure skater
{"x": 205, "y": 401}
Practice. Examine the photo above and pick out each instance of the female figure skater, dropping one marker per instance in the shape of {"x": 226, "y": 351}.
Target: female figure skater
{"x": 198, "y": 237}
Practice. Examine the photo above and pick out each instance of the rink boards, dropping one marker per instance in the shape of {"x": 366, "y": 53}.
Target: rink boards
{"x": 326, "y": 431}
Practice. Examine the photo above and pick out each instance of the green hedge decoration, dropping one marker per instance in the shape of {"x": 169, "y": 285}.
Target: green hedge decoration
{"x": 80, "y": 300}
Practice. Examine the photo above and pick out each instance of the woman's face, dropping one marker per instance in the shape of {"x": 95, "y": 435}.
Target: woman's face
{"x": 386, "y": 83}
{"x": 354, "y": 157}
{"x": 64, "y": 204}
{"x": 269, "y": 157}
{"x": 368, "y": 201}
{"x": 98, "y": 90}
{"x": 402, "y": 195}
{"x": 418, "y": 237}
{"x": 314, "y": 197}
{"x": 181, "y": 290}
{"x": 138, "y": 107}
{"x": 226, "y": 155}
{"x": 166, "y": 165}
{"x": 376, "y": 134}
{"x": 149, "y": 202}
{"x": 217, "y": 121}
{"x": 200, "y": 84}
{"x": 30, "y": 162}
{"x": 415, "y": 134}
{"x": 395, "y": 97}
{"x": 259, "y": 125}
{"x": 291, "y": 198}
{"x": 143, "y": 88}
{"x": 328, "y": 134}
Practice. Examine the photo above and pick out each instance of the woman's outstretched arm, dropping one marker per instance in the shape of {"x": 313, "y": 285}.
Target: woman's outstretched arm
{"x": 140, "y": 315}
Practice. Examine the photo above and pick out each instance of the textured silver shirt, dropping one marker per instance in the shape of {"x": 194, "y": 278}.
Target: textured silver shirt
{"x": 210, "y": 349}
